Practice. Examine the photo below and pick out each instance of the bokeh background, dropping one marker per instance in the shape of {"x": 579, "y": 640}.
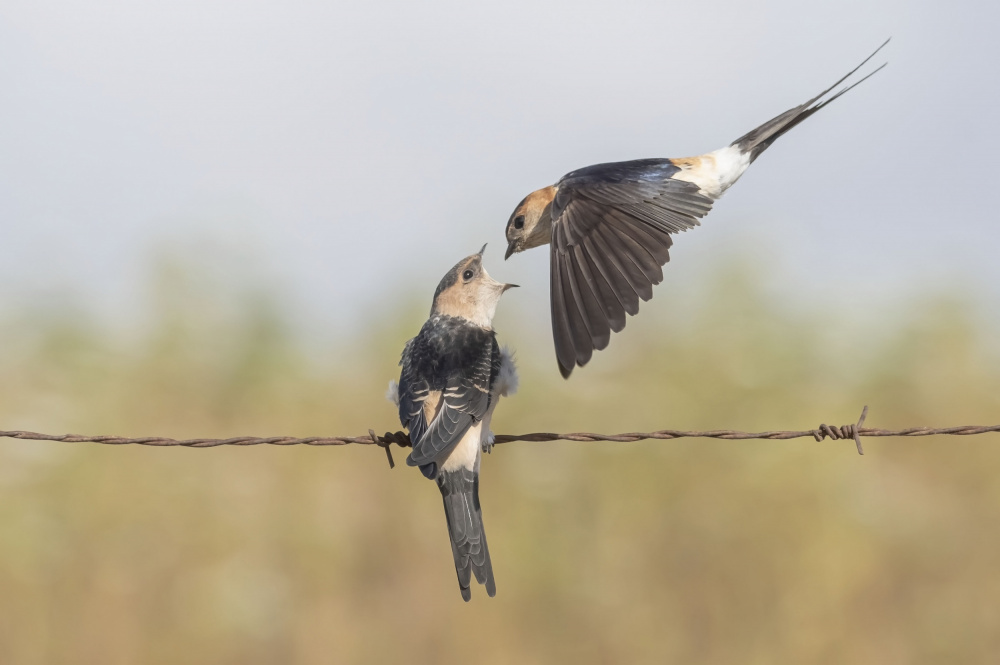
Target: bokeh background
{"x": 227, "y": 218}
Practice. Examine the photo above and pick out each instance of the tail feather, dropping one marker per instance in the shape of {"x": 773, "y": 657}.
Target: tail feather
{"x": 460, "y": 492}
{"x": 760, "y": 139}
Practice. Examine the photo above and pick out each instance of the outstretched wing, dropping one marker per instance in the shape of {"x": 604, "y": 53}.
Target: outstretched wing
{"x": 447, "y": 414}
{"x": 611, "y": 226}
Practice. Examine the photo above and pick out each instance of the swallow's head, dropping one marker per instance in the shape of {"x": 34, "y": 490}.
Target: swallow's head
{"x": 468, "y": 292}
{"x": 530, "y": 225}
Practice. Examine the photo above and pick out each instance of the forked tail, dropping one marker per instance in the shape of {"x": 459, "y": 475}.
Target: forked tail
{"x": 760, "y": 139}
{"x": 460, "y": 491}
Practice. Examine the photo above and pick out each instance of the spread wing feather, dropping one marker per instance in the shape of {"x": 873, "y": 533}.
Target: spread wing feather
{"x": 615, "y": 278}
{"x": 598, "y": 275}
{"x": 565, "y": 346}
{"x": 611, "y": 226}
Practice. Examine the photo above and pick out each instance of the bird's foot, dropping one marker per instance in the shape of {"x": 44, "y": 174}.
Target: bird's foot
{"x": 488, "y": 442}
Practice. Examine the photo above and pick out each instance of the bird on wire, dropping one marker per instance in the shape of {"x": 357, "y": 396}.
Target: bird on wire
{"x": 453, "y": 374}
{"x": 609, "y": 227}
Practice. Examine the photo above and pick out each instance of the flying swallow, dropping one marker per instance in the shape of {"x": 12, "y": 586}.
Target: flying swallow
{"x": 453, "y": 374}
{"x": 609, "y": 227}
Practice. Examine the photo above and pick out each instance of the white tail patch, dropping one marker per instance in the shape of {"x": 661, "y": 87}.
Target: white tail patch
{"x": 714, "y": 172}
{"x": 392, "y": 394}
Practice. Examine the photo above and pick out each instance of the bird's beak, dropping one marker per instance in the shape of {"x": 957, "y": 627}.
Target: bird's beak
{"x": 507, "y": 287}
{"x": 511, "y": 248}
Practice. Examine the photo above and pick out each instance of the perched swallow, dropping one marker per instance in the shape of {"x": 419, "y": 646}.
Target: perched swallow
{"x": 453, "y": 374}
{"x": 609, "y": 226}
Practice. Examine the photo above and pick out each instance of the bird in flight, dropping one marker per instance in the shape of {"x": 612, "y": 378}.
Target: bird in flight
{"x": 609, "y": 227}
{"x": 453, "y": 374}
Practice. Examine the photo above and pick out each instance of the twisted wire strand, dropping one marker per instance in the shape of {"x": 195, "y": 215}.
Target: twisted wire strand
{"x": 853, "y": 431}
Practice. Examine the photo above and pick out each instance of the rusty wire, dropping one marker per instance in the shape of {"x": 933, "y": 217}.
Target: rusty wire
{"x": 854, "y": 431}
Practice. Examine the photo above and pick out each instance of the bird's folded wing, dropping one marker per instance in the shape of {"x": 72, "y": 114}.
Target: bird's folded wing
{"x": 609, "y": 240}
{"x": 464, "y": 401}
{"x": 412, "y": 391}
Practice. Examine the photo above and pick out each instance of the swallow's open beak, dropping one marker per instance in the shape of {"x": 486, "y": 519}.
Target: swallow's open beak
{"x": 509, "y": 286}
{"x": 511, "y": 248}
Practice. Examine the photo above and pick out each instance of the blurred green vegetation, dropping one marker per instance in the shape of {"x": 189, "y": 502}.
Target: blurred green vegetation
{"x": 669, "y": 552}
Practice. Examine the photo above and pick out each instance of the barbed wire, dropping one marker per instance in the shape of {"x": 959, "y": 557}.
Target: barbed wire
{"x": 855, "y": 432}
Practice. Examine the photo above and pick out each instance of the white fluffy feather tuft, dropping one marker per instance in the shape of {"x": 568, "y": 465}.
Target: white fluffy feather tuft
{"x": 507, "y": 381}
{"x": 392, "y": 394}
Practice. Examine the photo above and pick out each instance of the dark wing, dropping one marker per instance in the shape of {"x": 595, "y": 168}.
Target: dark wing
{"x": 464, "y": 401}
{"x": 413, "y": 391}
{"x": 496, "y": 360}
{"x": 611, "y": 226}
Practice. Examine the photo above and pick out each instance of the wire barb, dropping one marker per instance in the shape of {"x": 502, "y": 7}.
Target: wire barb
{"x": 401, "y": 439}
{"x": 844, "y": 431}
{"x": 385, "y": 446}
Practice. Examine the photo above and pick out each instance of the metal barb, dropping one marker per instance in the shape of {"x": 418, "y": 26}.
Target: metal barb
{"x": 857, "y": 430}
{"x": 385, "y": 446}
{"x": 401, "y": 439}
{"x": 844, "y": 431}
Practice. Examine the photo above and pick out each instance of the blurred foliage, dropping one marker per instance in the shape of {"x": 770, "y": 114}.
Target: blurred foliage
{"x": 659, "y": 552}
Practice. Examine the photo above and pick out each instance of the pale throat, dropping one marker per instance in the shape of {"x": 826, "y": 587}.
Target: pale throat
{"x": 541, "y": 234}
{"x": 462, "y": 305}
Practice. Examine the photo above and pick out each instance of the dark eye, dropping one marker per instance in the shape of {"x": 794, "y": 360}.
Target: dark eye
{"x": 467, "y": 275}
{"x": 519, "y": 222}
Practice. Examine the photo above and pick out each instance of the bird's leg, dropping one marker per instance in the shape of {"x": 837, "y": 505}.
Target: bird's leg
{"x": 488, "y": 442}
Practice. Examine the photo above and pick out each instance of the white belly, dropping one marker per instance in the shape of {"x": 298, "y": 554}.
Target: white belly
{"x": 466, "y": 454}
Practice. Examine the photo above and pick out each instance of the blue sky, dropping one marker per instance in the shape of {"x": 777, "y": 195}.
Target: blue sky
{"x": 343, "y": 150}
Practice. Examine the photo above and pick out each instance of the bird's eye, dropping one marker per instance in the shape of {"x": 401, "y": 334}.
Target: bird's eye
{"x": 519, "y": 222}
{"x": 467, "y": 275}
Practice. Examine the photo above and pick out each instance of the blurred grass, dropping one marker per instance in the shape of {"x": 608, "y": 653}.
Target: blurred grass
{"x": 688, "y": 551}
